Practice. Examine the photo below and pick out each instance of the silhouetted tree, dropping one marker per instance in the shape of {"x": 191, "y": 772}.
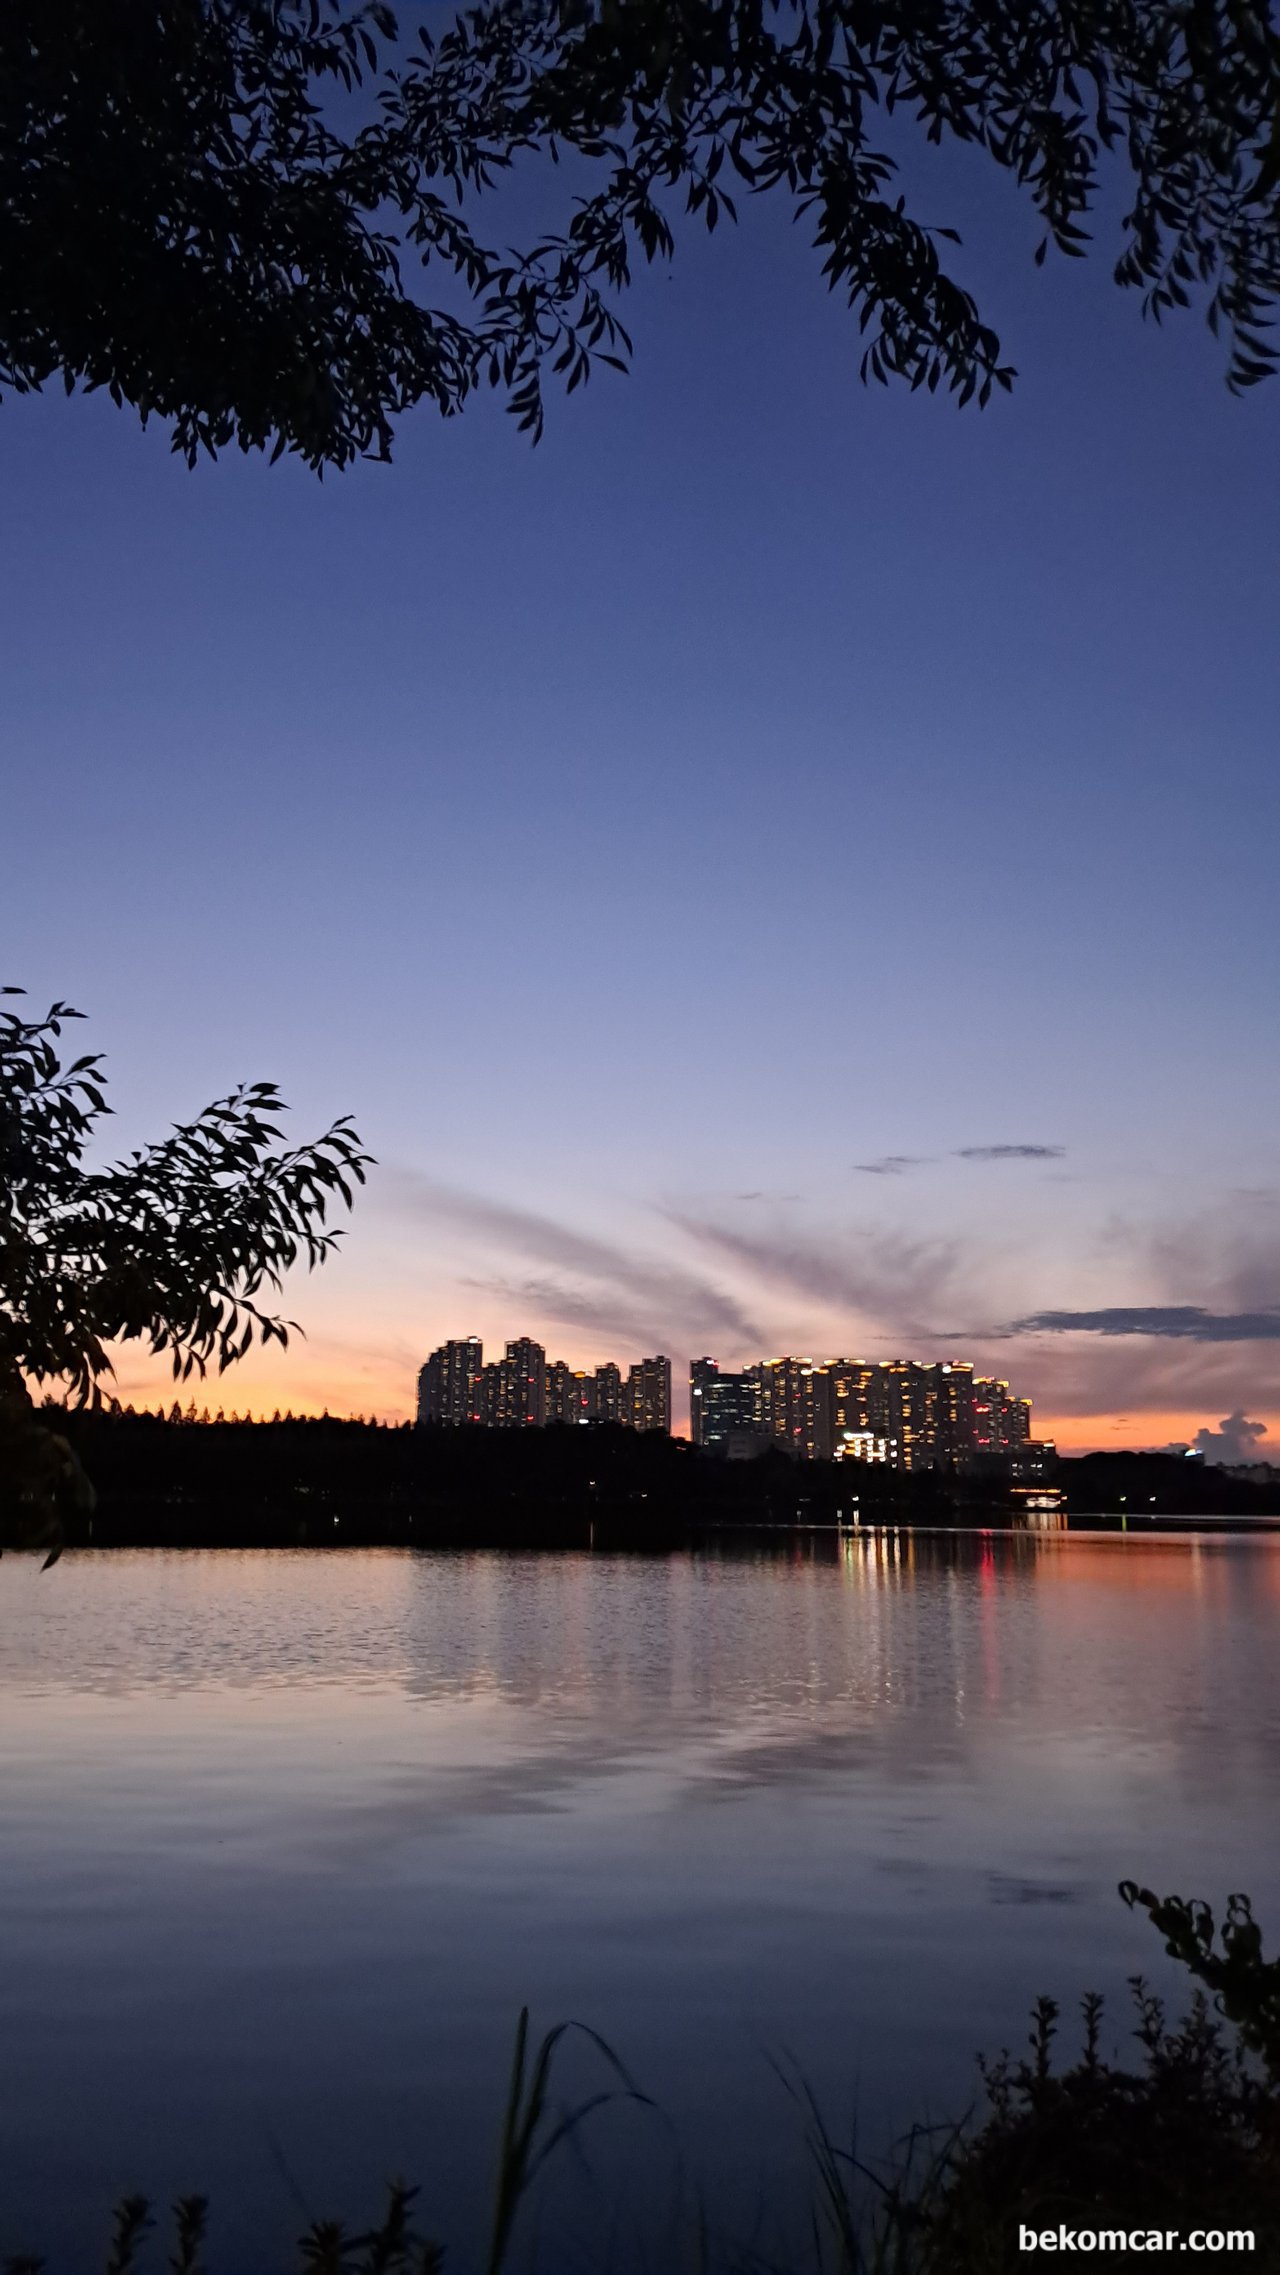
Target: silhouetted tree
{"x": 215, "y": 208}
{"x": 172, "y": 1246}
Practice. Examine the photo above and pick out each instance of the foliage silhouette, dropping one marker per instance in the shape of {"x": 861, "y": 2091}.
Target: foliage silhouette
{"x": 392, "y": 2248}
{"x": 1245, "y": 1986}
{"x": 215, "y": 208}
{"x": 532, "y": 2131}
{"x": 172, "y": 1246}
{"x": 1188, "y": 2139}
{"x": 1191, "y": 2139}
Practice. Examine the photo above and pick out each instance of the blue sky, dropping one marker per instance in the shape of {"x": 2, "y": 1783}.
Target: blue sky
{"x": 642, "y": 834}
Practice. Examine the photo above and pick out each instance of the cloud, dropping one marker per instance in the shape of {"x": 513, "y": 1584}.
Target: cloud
{"x": 1227, "y": 1257}
{"x": 892, "y": 1164}
{"x": 1234, "y": 1440}
{"x": 578, "y": 1280}
{"x": 1138, "y": 1376}
{"x": 1010, "y": 1152}
{"x": 889, "y": 1278}
{"x": 1182, "y": 1322}
{"x": 674, "y": 1315}
{"x": 1194, "y": 1330}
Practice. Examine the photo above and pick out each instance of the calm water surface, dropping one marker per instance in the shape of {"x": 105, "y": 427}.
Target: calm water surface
{"x": 287, "y": 1838}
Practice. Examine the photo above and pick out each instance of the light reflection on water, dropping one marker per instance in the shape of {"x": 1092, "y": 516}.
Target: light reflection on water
{"x": 287, "y": 1838}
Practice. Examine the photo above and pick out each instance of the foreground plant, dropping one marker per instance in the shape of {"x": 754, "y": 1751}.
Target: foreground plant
{"x": 1189, "y": 2139}
{"x": 172, "y": 1246}
{"x": 533, "y": 2128}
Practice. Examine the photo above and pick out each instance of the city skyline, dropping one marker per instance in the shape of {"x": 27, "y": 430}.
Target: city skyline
{"x": 905, "y": 1413}
{"x": 386, "y": 1388}
{"x": 457, "y": 1386}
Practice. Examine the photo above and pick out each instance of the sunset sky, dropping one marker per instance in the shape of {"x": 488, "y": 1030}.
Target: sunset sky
{"x": 778, "y": 867}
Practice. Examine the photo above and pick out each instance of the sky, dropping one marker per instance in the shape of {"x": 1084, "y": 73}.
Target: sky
{"x": 778, "y": 867}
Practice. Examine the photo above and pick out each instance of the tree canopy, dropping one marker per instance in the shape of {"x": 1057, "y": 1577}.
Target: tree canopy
{"x": 173, "y": 1246}
{"x": 231, "y": 213}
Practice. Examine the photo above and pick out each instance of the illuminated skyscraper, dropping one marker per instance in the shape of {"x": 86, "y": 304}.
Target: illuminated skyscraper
{"x": 852, "y": 1396}
{"x": 580, "y": 1400}
{"x": 647, "y": 1399}
{"x": 723, "y": 1406}
{"x": 556, "y": 1391}
{"x": 1000, "y": 1423}
{"x": 449, "y": 1384}
{"x": 923, "y": 1412}
{"x": 954, "y": 1412}
{"x": 910, "y": 1394}
{"x": 796, "y": 1407}
{"x": 570, "y": 1394}
{"x": 608, "y": 1393}
{"x": 523, "y": 1395}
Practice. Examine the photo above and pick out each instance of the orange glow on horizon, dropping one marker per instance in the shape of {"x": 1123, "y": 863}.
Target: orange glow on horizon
{"x": 304, "y": 1381}
{"x": 1101, "y": 1433}
{"x": 339, "y": 1377}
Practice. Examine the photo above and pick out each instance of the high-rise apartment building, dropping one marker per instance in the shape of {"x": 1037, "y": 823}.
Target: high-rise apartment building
{"x": 428, "y": 1391}
{"x": 570, "y": 1393}
{"x": 852, "y": 1384}
{"x": 647, "y": 1399}
{"x": 910, "y": 1393}
{"x": 723, "y": 1407}
{"x": 449, "y": 1384}
{"x": 609, "y": 1393}
{"x": 1001, "y": 1423}
{"x": 556, "y": 1380}
{"x": 796, "y": 1407}
{"x": 954, "y": 1412}
{"x": 580, "y": 1404}
{"x": 523, "y": 1391}
{"x": 923, "y": 1412}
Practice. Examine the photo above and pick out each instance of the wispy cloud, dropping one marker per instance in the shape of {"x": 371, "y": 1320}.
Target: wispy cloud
{"x": 1227, "y": 1257}
{"x": 1010, "y": 1152}
{"x": 892, "y": 1164}
{"x": 655, "y": 1312}
{"x": 578, "y": 1280}
{"x": 1207, "y": 1341}
{"x": 887, "y": 1278}
{"x": 1183, "y": 1322}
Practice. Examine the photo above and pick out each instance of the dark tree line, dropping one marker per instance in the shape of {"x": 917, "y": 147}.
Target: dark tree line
{"x": 285, "y": 1482}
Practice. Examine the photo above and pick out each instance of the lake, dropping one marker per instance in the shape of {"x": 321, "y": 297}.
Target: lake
{"x": 287, "y": 1838}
